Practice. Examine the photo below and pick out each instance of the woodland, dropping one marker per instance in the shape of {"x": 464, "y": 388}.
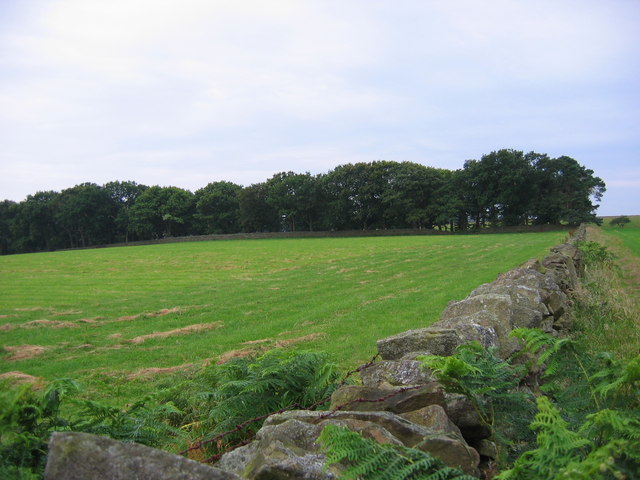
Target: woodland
{"x": 504, "y": 188}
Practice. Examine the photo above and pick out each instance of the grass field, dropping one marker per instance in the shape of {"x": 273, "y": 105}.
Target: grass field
{"x": 116, "y": 319}
{"x": 629, "y": 235}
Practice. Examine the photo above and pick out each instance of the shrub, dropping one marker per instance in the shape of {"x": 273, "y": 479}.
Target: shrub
{"x": 595, "y": 254}
{"x": 620, "y": 221}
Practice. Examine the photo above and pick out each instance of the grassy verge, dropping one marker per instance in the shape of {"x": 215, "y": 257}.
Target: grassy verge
{"x": 607, "y": 302}
{"x": 117, "y": 318}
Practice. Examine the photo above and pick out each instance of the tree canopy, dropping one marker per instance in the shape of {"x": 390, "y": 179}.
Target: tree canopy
{"x": 502, "y": 188}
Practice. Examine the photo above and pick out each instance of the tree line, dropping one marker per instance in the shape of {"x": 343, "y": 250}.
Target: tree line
{"x": 503, "y": 188}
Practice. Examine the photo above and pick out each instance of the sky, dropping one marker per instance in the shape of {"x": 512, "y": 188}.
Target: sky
{"x": 184, "y": 93}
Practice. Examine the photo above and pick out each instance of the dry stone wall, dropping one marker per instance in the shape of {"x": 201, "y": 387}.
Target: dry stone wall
{"x": 398, "y": 402}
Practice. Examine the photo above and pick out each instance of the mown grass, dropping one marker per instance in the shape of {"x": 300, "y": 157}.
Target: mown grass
{"x": 338, "y": 295}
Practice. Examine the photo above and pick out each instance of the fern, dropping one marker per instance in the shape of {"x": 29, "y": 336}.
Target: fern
{"x": 557, "y": 446}
{"x": 368, "y": 460}
{"x": 567, "y": 372}
{"x": 617, "y": 459}
{"x": 606, "y": 446}
{"x": 491, "y": 384}
{"x": 615, "y": 380}
{"x": 143, "y": 422}
{"x": 27, "y": 419}
{"x": 248, "y": 387}
{"x": 544, "y": 346}
{"x": 607, "y": 424}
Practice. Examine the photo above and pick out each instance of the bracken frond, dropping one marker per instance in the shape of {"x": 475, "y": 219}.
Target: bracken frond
{"x": 364, "y": 459}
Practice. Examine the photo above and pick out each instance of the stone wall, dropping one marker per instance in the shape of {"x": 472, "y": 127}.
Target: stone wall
{"x": 397, "y": 402}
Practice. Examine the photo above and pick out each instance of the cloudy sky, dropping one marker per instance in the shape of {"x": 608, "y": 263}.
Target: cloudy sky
{"x": 192, "y": 91}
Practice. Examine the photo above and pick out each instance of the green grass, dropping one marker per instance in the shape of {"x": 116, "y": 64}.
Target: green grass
{"x": 349, "y": 292}
{"x": 629, "y": 234}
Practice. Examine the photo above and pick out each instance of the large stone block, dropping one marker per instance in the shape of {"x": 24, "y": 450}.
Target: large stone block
{"x": 390, "y": 399}
{"x": 435, "y": 418}
{"x": 550, "y": 293}
{"x": 453, "y": 451}
{"x": 395, "y": 373}
{"x": 82, "y": 456}
{"x": 284, "y": 451}
{"x": 430, "y": 340}
{"x": 494, "y": 312}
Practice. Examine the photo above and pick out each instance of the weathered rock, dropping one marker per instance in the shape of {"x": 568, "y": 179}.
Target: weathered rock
{"x": 395, "y": 373}
{"x": 453, "y": 451}
{"x": 571, "y": 251}
{"x": 82, "y": 456}
{"x": 277, "y": 462}
{"x": 522, "y": 296}
{"x": 495, "y": 311}
{"x": 236, "y": 461}
{"x": 533, "y": 264}
{"x": 408, "y": 433}
{"x": 430, "y": 340}
{"x": 579, "y": 235}
{"x": 469, "y": 328}
{"x": 498, "y": 304}
{"x": 367, "y": 429}
{"x": 435, "y": 418}
{"x": 284, "y": 451}
{"x": 390, "y": 399}
{"x": 562, "y": 270}
{"x": 550, "y": 294}
{"x": 464, "y": 415}
{"x": 449, "y": 447}
{"x": 487, "y": 448}
{"x": 292, "y": 433}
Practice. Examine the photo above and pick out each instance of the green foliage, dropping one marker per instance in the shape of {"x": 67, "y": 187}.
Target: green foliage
{"x": 252, "y": 387}
{"x": 606, "y": 446}
{"x": 587, "y": 427}
{"x": 492, "y": 386}
{"x": 620, "y": 221}
{"x": 593, "y": 253}
{"x": 575, "y": 379}
{"x": 27, "y": 419}
{"x": 504, "y": 188}
{"x": 143, "y": 422}
{"x": 368, "y": 460}
{"x": 618, "y": 383}
{"x": 557, "y": 446}
{"x": 601, "y": 398}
